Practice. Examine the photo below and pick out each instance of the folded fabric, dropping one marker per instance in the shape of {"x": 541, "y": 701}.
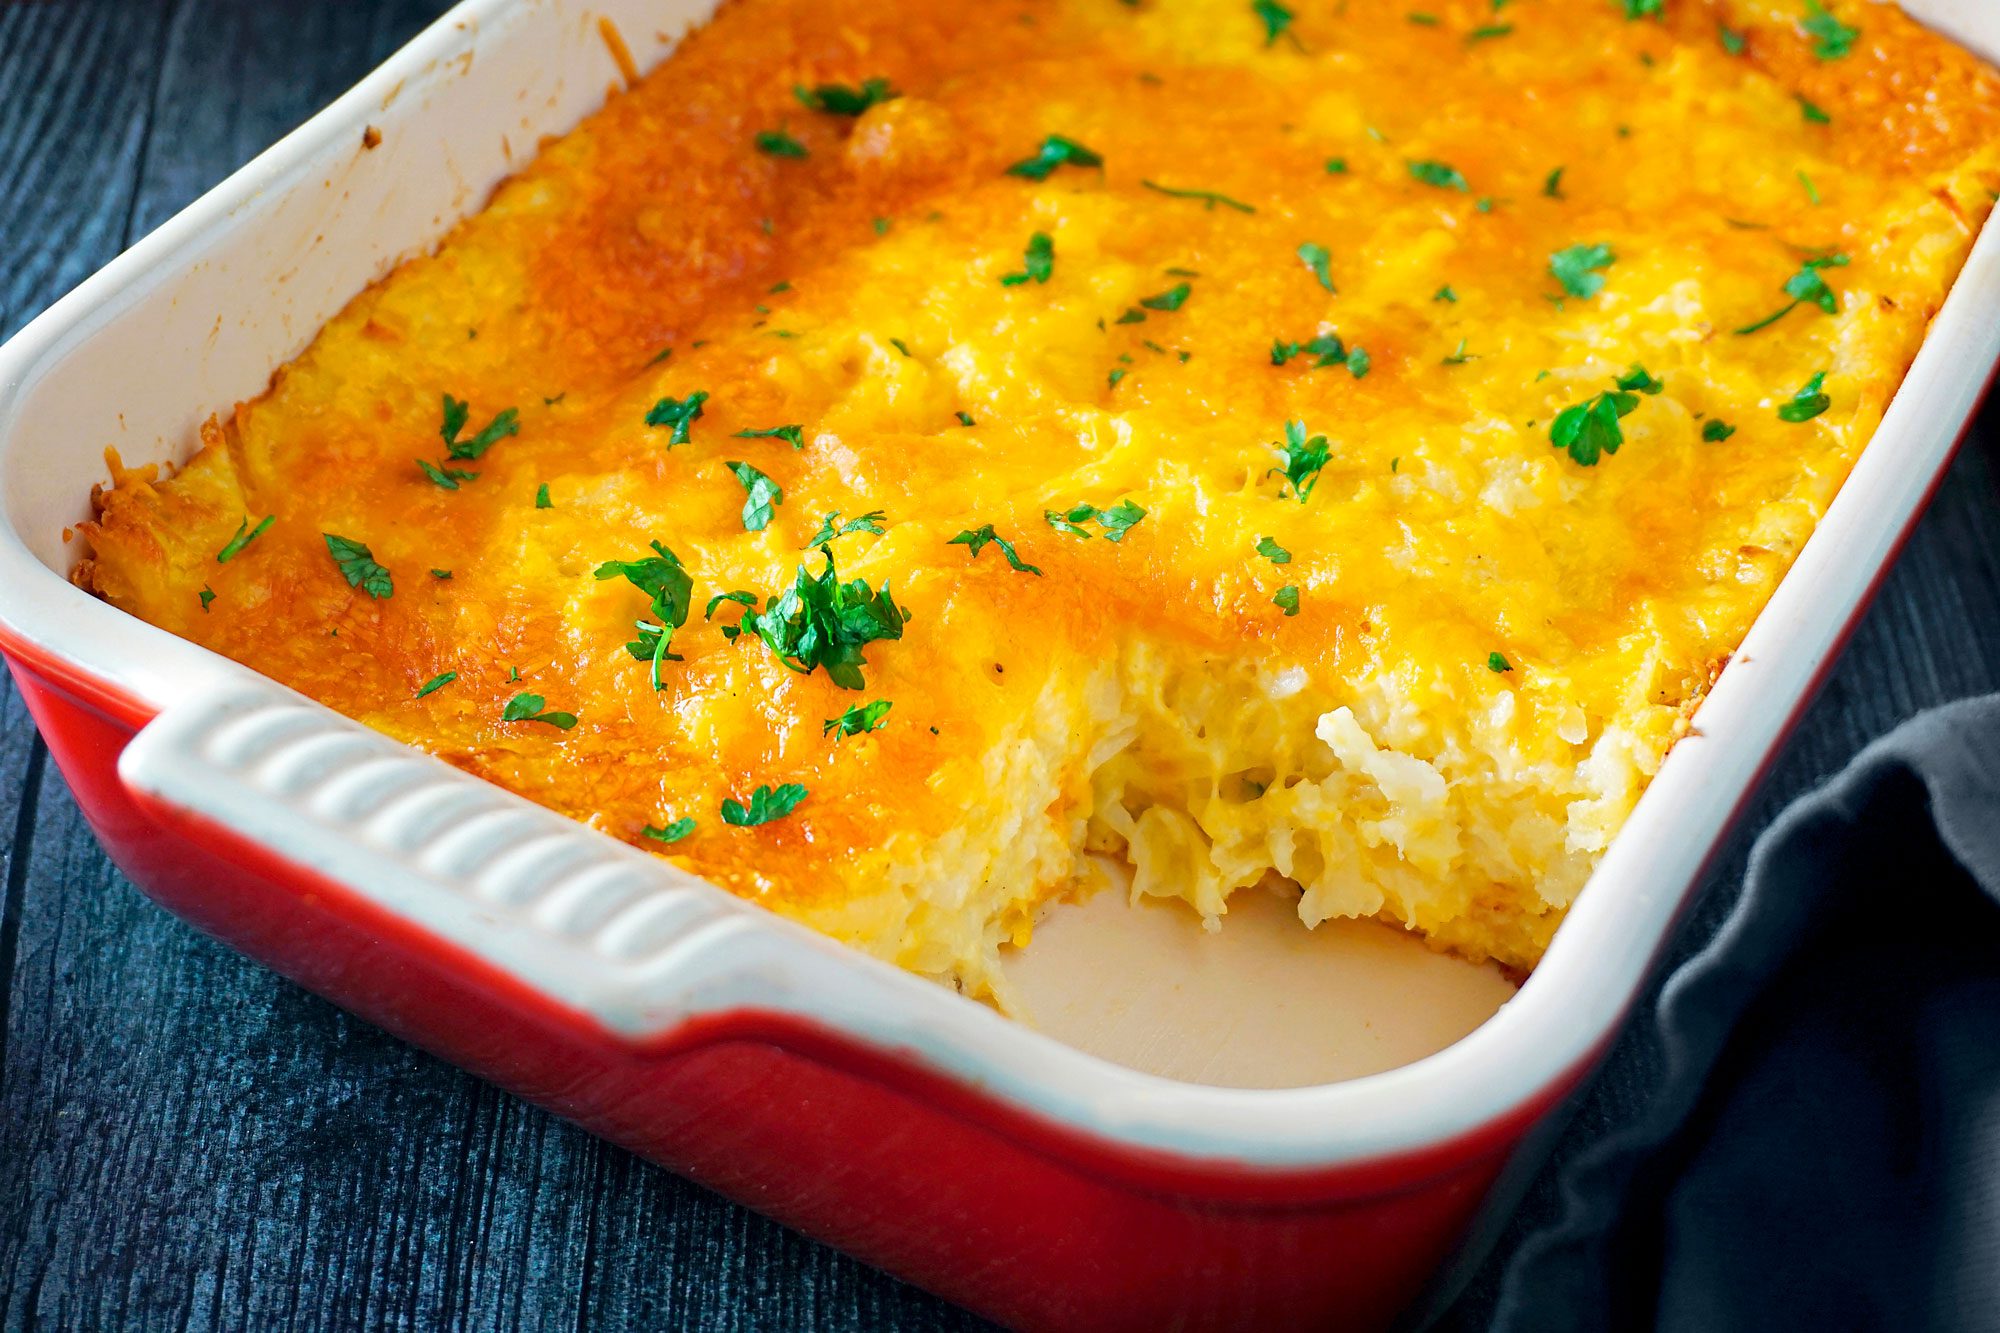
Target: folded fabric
{"x": 1821, "y": 1146}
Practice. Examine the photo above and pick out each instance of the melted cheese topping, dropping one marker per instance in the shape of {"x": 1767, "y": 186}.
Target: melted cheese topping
{"x": 1146, "y": 697}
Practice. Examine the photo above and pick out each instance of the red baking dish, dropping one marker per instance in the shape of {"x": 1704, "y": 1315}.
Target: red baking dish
{"x": 1003, "y": 1169}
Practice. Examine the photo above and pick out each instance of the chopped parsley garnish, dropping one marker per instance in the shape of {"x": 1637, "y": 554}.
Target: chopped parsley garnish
{"x": 1808, "y": 402}
{"x": 977, "y": 539}
{"x": 857, "y": 720}
{"x": 1286, "y": 599}
{"x": 1590, "y": 429}
{"x": 505, "y": 423}
{"x": 1832, "y": 39}
{"x": 245, "y": 534}
{"x": 1812, "y": 191}
{"x": 1639, "y": 380}
{"x": 1716, "y": 431}
{"x": 1275, "y": 16}
{"x": 435, "y": 683}
{"x": 1317, "y": 258}
{"x": 207, "y": 595}
{"x": 1577, "y": 267}
{"x": 1116, "y": 521}
{"x": 1273, "y": 552}
{"x": 820, "y": 622}
{"x": 680, "y": 413}
{"x": 1639, "y": 9}
{"x": 440, "y": 574}
{"x": 1056, "y": 151}
{"x": 1732, "y": 41}
{"x": 1208, "y": 198}
{"x": 841, "y": 100}
{"x": 1497, "y": 663}
{"x": 447, "y": 477}
{"x": 792, "y": 435}
{"x": 762, "y": 496}
{"x": 358, "y": 567}
{"x": 831, "y": 527}
{"x": 1421, "y": 19}
{"x": 1441, "y": 174}
{"x": 1111, "y": 380}
{"x": 1357, "y": 361}
{"x": 662, "y": 578}
{"x": 1173, "y": 298}
{"x": 1807, "y": 286}
{"x": 1336, "y": 166}
{"x": 1133, "y": 315}
{"x": 1488, "y": 32}
{"x": 1552, "y": 187}
{"x": 765, "y": 805}
{"x": 1445, "y": 293}
{"x": 1460, "y": 356}
{"x": 528, "y": 708}
{"x": 1813, "y": 114}
{"x": 542, "y": 500}
{"x": 1326, "y": 350}
{"x": 779, "y": 143}
{"x": 1038, "y": 261}
{"x": 965, "y": 418}
{"x": 1304, "y": 458}
{"x": 900, "y": 346}
{"x": 674, "y": 831}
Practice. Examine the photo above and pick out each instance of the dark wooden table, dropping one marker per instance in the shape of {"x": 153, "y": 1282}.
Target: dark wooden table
{"x": 186, "y": 1140}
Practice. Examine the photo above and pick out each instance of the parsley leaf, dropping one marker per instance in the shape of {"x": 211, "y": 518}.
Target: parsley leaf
{"x": 976, "y": 540}
{"x": 857, "y": 720}
{"x": 1316, "y": 258}
{"x": 841, "y": 100}
{"x": 1326, "y": 349}
{"x": 1116, "y": 521}
{"x": 662, "y": 578}
{"x": 1576, "y": 268}
{"x": 830, "y": 527}
{"x": 1590, "y": 429}
{"x": 456, "y": 412}
{"x": 674, "y": 831}
{"x": 779, "y": 143}
{"x": 1497, "y": 663}
{"x": 1637, "y": 379}
{"x": 1056, "y": 151}
{"x": 207, "y": 595}
{"x": 765, "y": 805}
{"x": 1806, "y": 287}
{"x": 435, "y": 683}
{"x": 820, "y": 622}
{"x": 1732, "y": 41}
{"x": 245, "y": 534}
{"x": 542, "y": 500}
{"x": 1286, "y": 599}
{"x": 1832, "y": 39}
{"x": 965, "y": 418}
{"x": 1441, "y": 174}
{"x": 1639, "y": 9}
{"x": 1304, "y": 459}
{"x": 680, "y": 413}
{"x": 1357, "y": 361}
{"x": 528, "y": 708}
{"x": 1552, "y": 188}
{"x": 1812, "y": 112}
{"x": 761, "y": 499}
{"x": 358, "y": 566}
{"x": 447, "y": 477}
{"x": 1276, "y": 19}
{"x": 1038, "y": 262}
{"x": 1715, "y": 431}
{"x": 792, "y": 435}
{"x": 1208, "y": 198}
{"x": 1273, "y": 552}
{"x": 1171, "y": 299}
{"x": 1808, "y": 402}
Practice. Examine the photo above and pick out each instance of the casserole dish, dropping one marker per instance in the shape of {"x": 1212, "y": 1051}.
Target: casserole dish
{"x": 663, "y": 1014}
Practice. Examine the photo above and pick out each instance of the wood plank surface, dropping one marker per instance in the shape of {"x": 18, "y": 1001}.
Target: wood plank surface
{"x": 188, "y": 1142}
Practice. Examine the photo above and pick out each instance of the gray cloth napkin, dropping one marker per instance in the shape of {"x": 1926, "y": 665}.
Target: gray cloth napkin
{"x": 1821, "y": 1146}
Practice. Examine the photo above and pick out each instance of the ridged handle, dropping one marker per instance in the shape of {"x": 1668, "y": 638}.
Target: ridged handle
{"x": 625, "y": 938}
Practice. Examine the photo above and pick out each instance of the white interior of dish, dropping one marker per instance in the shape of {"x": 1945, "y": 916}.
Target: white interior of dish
{"x": 199, "y": 314}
